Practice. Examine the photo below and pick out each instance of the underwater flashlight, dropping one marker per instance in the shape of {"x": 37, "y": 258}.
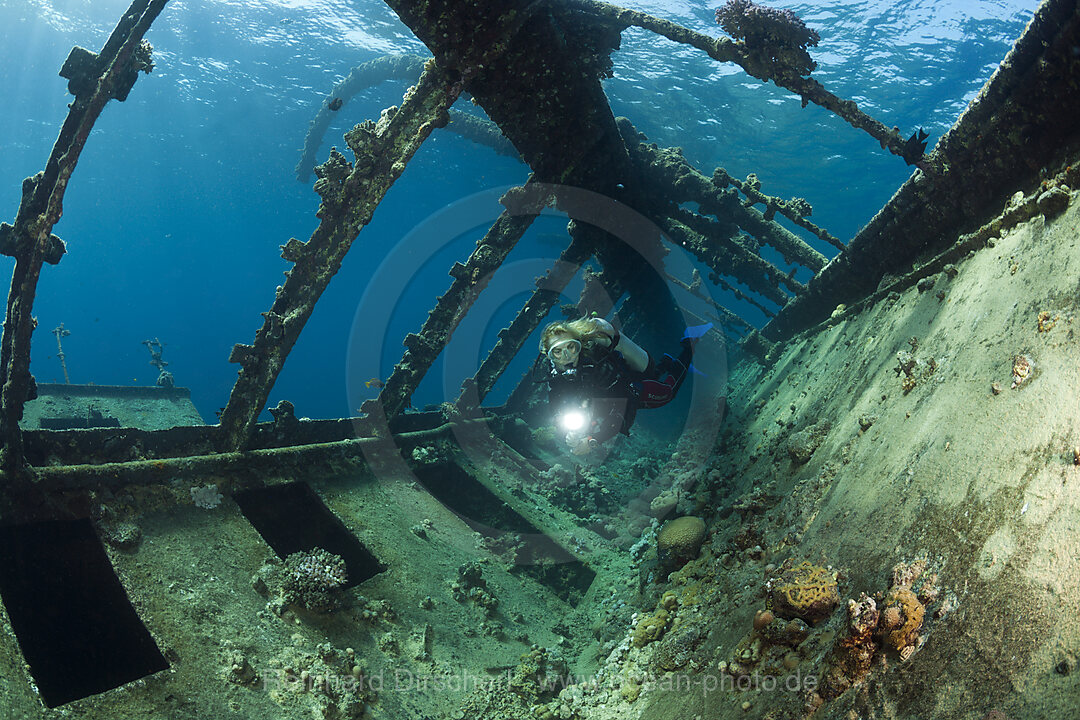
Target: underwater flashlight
{"x": 573, "y": 420}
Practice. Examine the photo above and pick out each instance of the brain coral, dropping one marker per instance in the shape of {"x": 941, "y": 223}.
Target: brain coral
{"x": 679, "y": 541}
{"x": 805, "y": 591}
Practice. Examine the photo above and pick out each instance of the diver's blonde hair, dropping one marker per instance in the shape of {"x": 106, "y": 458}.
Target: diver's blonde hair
{"x": 588, "y": 331}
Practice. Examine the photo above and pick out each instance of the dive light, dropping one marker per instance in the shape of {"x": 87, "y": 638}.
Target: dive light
{"x": 573, "y": 420}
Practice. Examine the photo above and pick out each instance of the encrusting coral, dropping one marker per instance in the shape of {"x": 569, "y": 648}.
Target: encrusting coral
{"x": 849, "y": 661}
{"x": 804, "y": 591}
{"x": 801, "y": 445}
{"x": 893, "y": 624}
{"x": 650, "y": 628}
{"x": 313, "y": 579}
{"x": 471, "y": 585}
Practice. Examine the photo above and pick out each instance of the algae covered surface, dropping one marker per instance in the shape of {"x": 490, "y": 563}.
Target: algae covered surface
{"x": 917, "y": 563}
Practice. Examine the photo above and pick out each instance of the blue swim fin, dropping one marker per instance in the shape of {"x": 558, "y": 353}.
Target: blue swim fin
{"x": 695, "y": 371}
{"x": 695, "y": 332}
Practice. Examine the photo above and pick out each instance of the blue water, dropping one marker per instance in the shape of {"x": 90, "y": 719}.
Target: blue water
{"x": 185, "y": 191}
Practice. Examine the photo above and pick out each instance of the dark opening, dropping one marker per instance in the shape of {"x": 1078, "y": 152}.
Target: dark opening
{"x": 292, "y": 518}
{"x": 74, "y": 622}
{"x": 541, "y": 558}
{"x": 92, "y": 419}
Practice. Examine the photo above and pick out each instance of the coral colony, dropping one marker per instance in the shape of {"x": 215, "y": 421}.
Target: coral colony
{"x": 778, "y": 34}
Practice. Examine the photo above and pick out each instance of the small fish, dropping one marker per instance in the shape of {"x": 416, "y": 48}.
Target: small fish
{"x": 336, "y": 104}
{"x": 375, "y": 383}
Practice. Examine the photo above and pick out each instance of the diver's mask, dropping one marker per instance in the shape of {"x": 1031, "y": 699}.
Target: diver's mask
{"x": 564, "y": 352}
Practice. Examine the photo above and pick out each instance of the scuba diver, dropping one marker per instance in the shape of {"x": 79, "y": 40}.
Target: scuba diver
{"x": 598, "y": 379}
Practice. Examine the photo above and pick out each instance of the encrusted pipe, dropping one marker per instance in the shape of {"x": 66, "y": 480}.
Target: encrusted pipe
{"x": 252, "y": 466}
{"x": 60, "y": 332}
{"x": 373, "y": 72}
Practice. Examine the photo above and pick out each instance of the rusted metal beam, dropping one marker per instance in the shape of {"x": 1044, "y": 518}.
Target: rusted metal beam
{"x": 523, "y": 205}
{"x": 512, "y": 338}
{"x": 544, "y": 90}
{"x": 673, "y": 181}
{"x": 708, "y": 241}
{"x": 390, "y": 67}
{"x": 1005, "y": 141}
{"x": 726, "y": 317}
{"x": 94, "y": 79}
{"x": 796, "y": 210}
{"x": 350, "y": 193}
{"x": 758, "y": 65}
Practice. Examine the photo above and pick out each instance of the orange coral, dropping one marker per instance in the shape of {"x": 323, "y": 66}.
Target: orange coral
{"x": 906, "y": 613}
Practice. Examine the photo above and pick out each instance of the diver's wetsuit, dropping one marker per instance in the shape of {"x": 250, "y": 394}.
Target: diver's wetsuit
{"x": 612, "y": 391}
